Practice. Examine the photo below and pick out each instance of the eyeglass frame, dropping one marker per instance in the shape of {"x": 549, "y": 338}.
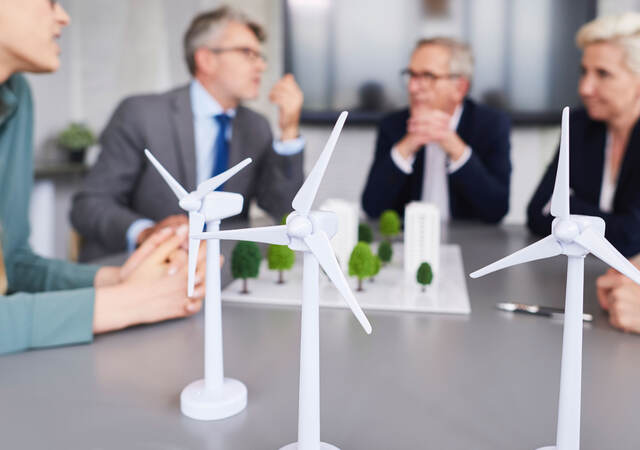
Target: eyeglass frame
{"x": 249, "y": 53}
{"x": 426, "y": 77}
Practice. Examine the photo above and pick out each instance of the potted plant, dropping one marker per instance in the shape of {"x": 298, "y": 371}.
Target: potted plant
{"x": 76, "y": 138}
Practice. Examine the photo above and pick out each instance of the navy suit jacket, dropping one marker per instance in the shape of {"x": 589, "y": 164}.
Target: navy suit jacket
{"x": 477, "y": 190}
{"x": 587, "y": 140}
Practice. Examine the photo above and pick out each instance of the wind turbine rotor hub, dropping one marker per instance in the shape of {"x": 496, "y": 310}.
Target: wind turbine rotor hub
{"x": 566, "y": 231}
{"x": 299, "y": 227}
{"x": 189, "y": 203}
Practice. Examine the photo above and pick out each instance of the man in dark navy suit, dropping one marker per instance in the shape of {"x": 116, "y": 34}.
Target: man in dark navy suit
{"x": 444, "y": 149}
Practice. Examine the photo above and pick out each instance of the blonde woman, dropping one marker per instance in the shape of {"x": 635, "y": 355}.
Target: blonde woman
{"x": 605, "y": 153}
{"x": 604, "y": 136}
{"x": 45, "y": 302}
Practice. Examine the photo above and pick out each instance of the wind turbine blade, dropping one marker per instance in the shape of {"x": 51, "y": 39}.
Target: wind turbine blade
{"x": 544, "y": 248}
{"x": 269, "y": 235}
{"x": 560, "y": 197}
{"x": 600, "y": 247}
{"x": 178, "y": 190}
{"x": 320, "y": 246}
{"x": 213, "y": 183}
{"x": 304, "y": 198}
{"x": 196, "y": 224}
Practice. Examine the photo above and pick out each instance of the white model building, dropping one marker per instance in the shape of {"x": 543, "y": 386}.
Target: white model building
{"x": 421, "y": 238}
{"x": 347, "y": 236}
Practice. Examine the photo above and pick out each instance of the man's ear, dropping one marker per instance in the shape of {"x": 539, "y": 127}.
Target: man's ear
{"x": 205, "y": 61}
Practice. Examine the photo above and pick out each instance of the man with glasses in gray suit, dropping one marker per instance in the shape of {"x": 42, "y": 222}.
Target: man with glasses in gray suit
{"x": 195, "y": 131}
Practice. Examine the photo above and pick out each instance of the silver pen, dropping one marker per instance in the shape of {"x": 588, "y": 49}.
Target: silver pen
{"x": 545, "y": 311}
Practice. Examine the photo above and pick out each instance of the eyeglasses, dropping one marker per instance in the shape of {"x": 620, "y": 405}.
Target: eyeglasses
{"x": 425, "y": 77}
{"x": 249, "y": 53}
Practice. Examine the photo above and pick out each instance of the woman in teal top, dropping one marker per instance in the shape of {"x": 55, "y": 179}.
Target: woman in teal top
{"x": 45, "y": 302}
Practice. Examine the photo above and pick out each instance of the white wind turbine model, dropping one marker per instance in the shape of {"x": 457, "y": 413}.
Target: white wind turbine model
{"x": 309, "y": 232}
{"x": 213, "y": 397}
{"x": 574, "y": 236}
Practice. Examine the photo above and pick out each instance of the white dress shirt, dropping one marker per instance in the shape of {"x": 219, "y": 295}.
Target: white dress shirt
{"x": 435, "y": 181}
{"x": 608, "y": 186}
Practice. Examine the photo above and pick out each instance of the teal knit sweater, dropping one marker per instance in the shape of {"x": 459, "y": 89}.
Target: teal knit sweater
{"x": 48, "y": 302}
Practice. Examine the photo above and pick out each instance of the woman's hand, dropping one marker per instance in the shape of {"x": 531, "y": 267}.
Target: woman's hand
{"x": 620, "y": 296}
{"x": 155, "y": 287}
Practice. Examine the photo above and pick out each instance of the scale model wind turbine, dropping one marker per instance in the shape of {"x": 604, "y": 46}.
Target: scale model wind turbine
{"x": 309, "y": 232}
{"x": 574, "y": 236}
{"x": 213, "y": 397}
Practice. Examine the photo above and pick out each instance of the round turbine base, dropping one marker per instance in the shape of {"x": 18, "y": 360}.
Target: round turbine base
{"x": 202, "y": 404}
{"x": 323, "y": 446}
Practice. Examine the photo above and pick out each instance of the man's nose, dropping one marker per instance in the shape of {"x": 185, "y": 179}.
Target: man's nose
{"x": 414, "y": 85}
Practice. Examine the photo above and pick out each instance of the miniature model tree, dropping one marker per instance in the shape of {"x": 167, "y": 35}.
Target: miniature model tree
{"x": 385, "y": 252}
{"x": 389, "y": 224}
{"x": 245, "y": 262}
{"x": 361, "y": 263}
{"x": 364, "y": 233}
{"x": 376, "y": 267}
{"x": 283, "y": 221}
{"x": 280, "y": 258}
{"x": 424, "y": 275}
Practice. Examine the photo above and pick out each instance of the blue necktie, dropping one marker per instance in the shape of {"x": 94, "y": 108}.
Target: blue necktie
{"x": 221, "y": 146}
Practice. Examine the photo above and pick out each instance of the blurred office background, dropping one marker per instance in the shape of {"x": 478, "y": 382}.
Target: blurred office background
{"x": 346, "y": 54}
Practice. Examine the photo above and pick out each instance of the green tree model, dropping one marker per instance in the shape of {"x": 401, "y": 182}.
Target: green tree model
{"x": 364, "y": 233}
{"x": 245, "y": 262}
{"x": 361, "y": 263}
{"x": 376, "y": 267}
{"x": 389, "y": 224}
{"x": 280, "y": 258}
{"x": 385, "y": 251}
{"x": 424, "y": 275}
{"x": 284, "y": 219}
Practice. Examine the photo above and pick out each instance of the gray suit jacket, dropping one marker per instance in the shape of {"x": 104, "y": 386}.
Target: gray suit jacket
{"x": 123, "y": 186}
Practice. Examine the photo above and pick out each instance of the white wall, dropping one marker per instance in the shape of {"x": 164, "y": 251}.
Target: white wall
{"x": 118, "y": 47}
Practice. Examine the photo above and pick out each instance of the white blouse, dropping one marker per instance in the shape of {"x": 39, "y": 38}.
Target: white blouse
{"x": 609, "y": 184}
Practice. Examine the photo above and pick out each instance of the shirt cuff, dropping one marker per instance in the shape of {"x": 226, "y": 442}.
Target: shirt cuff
{"x": 454, "y": 166}
{"x": 289, "y": 147}
{"x": 134, "y": 230}
{"x": 404, "y": 164}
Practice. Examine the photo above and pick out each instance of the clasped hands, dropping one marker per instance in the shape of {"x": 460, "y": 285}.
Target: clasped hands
{"x": 151, "y": 286}
{"x": 428, "y": 125}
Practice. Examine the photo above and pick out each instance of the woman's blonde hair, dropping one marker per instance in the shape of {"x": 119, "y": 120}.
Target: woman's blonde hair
{"x": 621, "y": 29}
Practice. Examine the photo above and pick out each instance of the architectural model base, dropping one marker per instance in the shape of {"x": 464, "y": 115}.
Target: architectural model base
{"x": 551, "y": 447}
{"x": 323, "y": 446}
{"x": 198, "y": 403}
{"x": 389, "y": 291}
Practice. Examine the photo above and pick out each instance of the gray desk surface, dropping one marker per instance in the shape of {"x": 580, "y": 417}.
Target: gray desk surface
{"x": 484, "y": 382}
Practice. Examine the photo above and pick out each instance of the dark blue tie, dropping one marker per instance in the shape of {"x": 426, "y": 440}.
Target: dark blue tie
{"x": 221, "y": 147}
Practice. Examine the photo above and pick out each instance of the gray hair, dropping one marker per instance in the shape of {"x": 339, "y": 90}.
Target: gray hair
{"x": 621, "y": 29}
{"x": 208, "y": 25}
{"x": 461, "y": 62}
